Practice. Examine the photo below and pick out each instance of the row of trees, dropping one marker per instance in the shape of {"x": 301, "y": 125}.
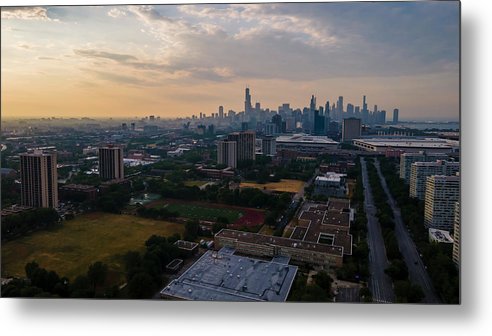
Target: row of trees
{"x": 318, "y": 291}
{"x": 356, "y": 266}
{"x": 405, "y": 291}
{"x": 437, "y": 257}
{"x": 43, "y": 283}
{"x": 221, "y": 193}
{"x": 28, "y": 221}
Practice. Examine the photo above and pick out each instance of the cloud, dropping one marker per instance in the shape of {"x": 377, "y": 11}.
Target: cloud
{"x": 46, "y": 58}
{"x": 23, "y": 45}
{"x": 26, "y": 13}
{"x": 116, "y": 13}
{"x": 103, "y": 54}
{"x": 118, "y": 78}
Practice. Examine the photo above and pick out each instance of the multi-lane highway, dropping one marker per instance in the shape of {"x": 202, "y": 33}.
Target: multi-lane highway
{"x": 379, "y": 283}
{"x": 416, "y": 270}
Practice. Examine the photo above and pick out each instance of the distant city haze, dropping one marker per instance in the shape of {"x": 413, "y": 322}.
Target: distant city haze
{"x": 176, "y": 61}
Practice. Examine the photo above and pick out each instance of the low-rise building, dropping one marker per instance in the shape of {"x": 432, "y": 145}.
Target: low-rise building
{"x": 78, "y": 192}
{"x": 224, "y": 276}
{"x": 306, "y": 143}
{"x": 330, "y": 184}
{"x": 407, "y": 144}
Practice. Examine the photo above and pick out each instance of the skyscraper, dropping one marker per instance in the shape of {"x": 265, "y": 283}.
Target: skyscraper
{"x": 39, "y": 179}
{"x": 395, "y": 116}
{"x": 246, "y": 142}
{"x": 277, "y": 121}
{"x": 221, "y": 112}
{"x": 351, "y": 129}
{"x": 319, "y": 123}
{"x": 227, "y": 153}
{"x": 365, "y": 111}
{"x": 247, "y": 104}
{"x": 350, "y": 110}
{"x": 111, "y": 163}
{"x": 339, "y": 116}
{"x": 312, "y": 104}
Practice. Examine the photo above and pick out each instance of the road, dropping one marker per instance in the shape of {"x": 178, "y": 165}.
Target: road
{"x": 417, "y": 272}
{"x": 380, "y": 284}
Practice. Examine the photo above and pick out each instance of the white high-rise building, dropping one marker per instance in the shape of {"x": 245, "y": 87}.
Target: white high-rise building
{"x": 421, "y": 170}
{"x": 456, "y": 234}
{"x": 406, "y": 160}
{"x": 441, "y": 194}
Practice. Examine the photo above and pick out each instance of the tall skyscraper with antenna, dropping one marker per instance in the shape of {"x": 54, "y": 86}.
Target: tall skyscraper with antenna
{"x": 247, "y": 103}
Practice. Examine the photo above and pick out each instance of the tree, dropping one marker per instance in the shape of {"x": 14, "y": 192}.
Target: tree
{"x": 192, "y": 229}
{"x": 81, "y": 287}
{"x": 141, "y": 286}
{"x": 96, "y": 274}
{"x": 323, "y": 280}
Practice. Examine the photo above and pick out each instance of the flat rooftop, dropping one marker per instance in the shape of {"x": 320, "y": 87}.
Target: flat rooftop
{"x": 410, "y": 142}
{"x": 256, "y": 238}
{"x": 219, "y": 276}
{"x": 306, "y": 139}
{"x": 324, "y": 226}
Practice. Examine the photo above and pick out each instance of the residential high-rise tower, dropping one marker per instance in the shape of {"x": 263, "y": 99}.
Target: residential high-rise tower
{"x": 111, "y": 165}
{"x": 39, "y": 179}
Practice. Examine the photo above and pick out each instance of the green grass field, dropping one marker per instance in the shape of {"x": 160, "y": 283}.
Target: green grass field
{"x": 70, "y": 249}
{"x": 195, "y": 183}
{"x": 205, "y": 213}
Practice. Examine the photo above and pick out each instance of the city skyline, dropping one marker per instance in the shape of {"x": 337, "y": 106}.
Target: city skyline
{"x": 176, "y": 61}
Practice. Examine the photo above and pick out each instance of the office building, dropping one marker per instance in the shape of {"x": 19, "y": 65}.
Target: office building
{"x": 406, "y": 160}
{"x": 269, "y": 145}
{"x": 395, "y": 116}
{"x": 421, "y": 170}
{"x": 319, "y": 123}
{"x": 227, "y": 153}
{"x": 221, "y": 112}
{"x": 111, "y": 163}
{"x": 441, "y": 194}
{"x": 456, "y": 234}
{"x": 245, "y": 144}
{"x": 39, "y": 180}
{"x": 277, "y": 121}
{"x": 351, "y": 129}
{"x": 350, "y": 110}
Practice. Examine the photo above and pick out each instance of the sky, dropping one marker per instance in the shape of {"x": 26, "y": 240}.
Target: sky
{"x": 178, "y": 60}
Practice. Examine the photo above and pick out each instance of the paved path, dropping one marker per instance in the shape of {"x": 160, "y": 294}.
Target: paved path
{"x": 380, "y": 283}
{"x": 417, "y": 272}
